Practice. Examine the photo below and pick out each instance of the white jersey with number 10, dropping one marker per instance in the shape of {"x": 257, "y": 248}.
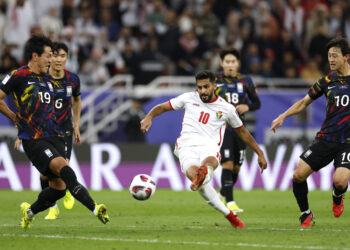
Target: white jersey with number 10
{"x": 204, "y": 123}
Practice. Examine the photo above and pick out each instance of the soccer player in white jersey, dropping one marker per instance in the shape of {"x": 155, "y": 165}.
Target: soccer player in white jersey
{"x": 203, "y": 127}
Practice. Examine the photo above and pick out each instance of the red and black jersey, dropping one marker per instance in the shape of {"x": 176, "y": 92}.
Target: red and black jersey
{"x": 34, "y": 97}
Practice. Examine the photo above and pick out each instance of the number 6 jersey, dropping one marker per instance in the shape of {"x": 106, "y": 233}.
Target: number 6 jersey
{"x": 204, "y": 123}
{"x": 65, "y": 89}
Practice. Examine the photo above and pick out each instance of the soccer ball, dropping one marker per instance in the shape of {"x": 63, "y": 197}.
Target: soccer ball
{"x": 142, "y": 187}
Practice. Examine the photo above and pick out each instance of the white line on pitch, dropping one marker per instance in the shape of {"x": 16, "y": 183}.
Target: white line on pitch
{"x": 238, "y": 244}
{"x": 206, "y": 227}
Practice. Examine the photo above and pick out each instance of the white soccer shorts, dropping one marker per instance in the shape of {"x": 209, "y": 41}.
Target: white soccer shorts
{"x": 194, "y": 155}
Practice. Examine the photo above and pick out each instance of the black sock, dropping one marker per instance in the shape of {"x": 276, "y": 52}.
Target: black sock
{"x": 234, "y": 179}
{"x": 300, "y": 191}
{"x": 76, "y": 189}
{"x": 227, "y": 185}
{"x": 44, "y": 183}
{"x": 337, "y": 199}
{"x": 47, "y": 198}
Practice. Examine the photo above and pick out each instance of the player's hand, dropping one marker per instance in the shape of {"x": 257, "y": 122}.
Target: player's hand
{"x": 146, "y": 124}
{"x": 17, "y": 144}
{"x": 276, "y": 123}
{"x": 77, "y": 137}
{"x": 262, "y": 163}
{"x": 242, "y": 108}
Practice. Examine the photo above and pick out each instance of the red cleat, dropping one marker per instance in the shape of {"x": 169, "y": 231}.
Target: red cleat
{"x": 197, "y": 182}
{"x": 235, "y": 222}
{"x": 338, "y": 209}
{"x": 306, "y": 220}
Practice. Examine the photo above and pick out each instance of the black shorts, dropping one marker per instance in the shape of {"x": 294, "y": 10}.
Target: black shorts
{"x": 41, "y": 151}
{"x": 68, "y": 147}
{"x": 233, "y": 148}
{"x": 320, "y": 153}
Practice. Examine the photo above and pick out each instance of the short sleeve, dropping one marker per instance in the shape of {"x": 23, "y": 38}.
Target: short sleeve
{"x": 233, "y": 118}
{"x": 76, "y": 89}
{"x": 8, "y": 84}
{"x": 317, "y": 89}
{"x": 179, "y": 101}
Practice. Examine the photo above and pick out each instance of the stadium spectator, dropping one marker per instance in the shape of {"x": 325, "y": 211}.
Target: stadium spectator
{"x": 294, "y": 21}
{"x": 19, "y": 21}
{"x": 335, "y": 18}
{"x": 198, "y": 146}
{"x": 95, "y": 72}
{"x": 7, "y": 63}
{"x": 129, "y": 10}
{"x": 169, "y": 20}
{"x": 209, "y": 23}
{"x": 112, "y": 26}
{"x": 51, "y": 24}
{"x": 133, "y": 117}
{"x": 310, "y": 73}
{"x": 332, "y": 141}
{"x": 317, "y": 23}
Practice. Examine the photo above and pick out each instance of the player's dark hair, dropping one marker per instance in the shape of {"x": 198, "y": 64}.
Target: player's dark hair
{"x": 205, "y": 74}
{"x": 339, "y": 42}
{"x": 56, "y": 46}
{"x": 36, "y": 44}
{"x": 231, "y": 51}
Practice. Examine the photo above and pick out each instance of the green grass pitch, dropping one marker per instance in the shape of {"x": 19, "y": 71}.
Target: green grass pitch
{"x": 177, "y": 220}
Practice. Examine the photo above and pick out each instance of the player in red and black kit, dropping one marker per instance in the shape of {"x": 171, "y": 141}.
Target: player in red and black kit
{"x": 332, "y": 142}
{"x": 37, "y": 128}
{"x": 239, "y": 90}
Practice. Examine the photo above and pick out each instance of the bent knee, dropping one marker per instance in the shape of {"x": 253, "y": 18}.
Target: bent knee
{"x": 340, "y": 183}
{"x": 298, "y": 178}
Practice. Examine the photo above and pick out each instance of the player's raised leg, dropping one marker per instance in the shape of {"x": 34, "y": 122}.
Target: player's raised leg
{"x": 208, "y": 192}
{"x": 300, "y": 190}
{"x": 340, "y": 186}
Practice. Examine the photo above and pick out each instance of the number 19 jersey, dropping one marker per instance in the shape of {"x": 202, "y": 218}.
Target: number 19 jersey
{"x": 33, "y": 95}
{"x": 204, "y": 123}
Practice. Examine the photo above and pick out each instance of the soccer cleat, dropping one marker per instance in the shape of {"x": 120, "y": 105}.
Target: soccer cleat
{"x": 234, "y": 220}
{"x": 307, "y": 219}
{"x": 68, "y": 201}
{"x": 197, "y": 182}
{"x": 53, "y": 213}
{"x": 234, "y": 207}
{"x": 338, "y": 209}
{"x": 26, "y": 221}
{"x": 101, "y": 213}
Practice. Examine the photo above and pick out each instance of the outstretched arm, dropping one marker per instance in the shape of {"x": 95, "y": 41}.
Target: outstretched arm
{"x": 146, "y": 123}
{"x": 248, "y": 139}
{"x": 294, "y": 109}
{"x": 4, "y": 109}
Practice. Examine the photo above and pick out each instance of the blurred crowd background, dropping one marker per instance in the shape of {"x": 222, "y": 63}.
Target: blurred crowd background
{"x": 148, "y": 38}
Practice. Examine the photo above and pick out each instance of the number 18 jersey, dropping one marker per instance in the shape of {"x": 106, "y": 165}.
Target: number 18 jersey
{"x": 204, "y": 123}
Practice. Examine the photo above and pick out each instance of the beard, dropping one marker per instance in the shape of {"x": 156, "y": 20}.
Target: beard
{"x": 206, "y": 98}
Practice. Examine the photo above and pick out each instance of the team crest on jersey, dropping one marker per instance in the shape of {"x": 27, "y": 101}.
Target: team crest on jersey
{"x": 240, "y": 87}
{"x": 50, "y": 86}
{"x": 69, "y": 90}
{"x": 218, "y": 114}
{"x": 6, "y": 79}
